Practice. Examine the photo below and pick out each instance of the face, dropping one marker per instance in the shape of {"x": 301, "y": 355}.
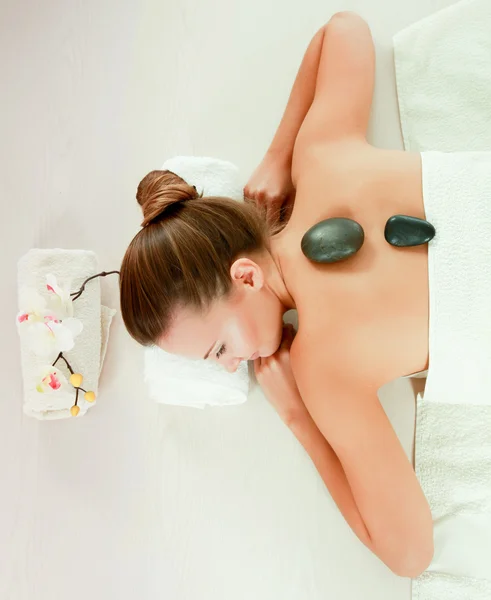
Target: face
{"x": 245, "y": 325}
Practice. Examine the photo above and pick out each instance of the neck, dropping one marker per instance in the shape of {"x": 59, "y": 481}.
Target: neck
{"x": 273, "y": 274}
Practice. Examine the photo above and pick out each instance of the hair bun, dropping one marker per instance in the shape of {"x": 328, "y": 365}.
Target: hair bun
{"x": 159, "y": 191}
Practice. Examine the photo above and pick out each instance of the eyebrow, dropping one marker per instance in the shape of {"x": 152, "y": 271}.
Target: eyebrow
{"x": 209, "y": 351}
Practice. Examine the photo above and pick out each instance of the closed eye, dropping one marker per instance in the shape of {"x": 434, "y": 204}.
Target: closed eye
{"x": 221, "y": 351}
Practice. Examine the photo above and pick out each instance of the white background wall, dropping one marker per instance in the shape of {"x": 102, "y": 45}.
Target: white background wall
{"x": 137, "y": 500}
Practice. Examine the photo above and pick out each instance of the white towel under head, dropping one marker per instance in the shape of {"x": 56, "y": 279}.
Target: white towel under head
{"x": 197, "y": 383}
{"x": 210, "y": 176}
{"x": 88, "y": 353}
{"x": 175, "y": 380}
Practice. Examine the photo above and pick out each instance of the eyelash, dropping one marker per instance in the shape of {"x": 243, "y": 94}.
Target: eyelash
{"x": 221, "y": 350}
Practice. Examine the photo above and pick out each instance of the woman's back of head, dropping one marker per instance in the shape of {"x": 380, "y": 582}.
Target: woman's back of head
{"x": 182, "y": 255}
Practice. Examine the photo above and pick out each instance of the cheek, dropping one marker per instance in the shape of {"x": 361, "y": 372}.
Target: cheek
{"x": 244, "y": 337}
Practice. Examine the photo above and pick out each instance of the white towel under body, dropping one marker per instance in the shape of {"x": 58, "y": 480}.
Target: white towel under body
{"x": 457, "y": 196}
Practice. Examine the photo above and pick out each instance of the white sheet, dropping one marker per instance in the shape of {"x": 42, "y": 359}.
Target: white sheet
{"x": 149, "y": 501}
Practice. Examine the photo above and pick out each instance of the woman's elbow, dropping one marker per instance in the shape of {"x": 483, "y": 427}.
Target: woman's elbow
{"x": 412, "y": 559}
{"x": 347, "y": 16}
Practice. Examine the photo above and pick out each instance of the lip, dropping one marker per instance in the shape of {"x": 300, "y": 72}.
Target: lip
{"x": 254, "y": 356}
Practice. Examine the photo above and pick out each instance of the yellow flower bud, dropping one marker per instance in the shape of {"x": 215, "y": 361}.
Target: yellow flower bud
{"x": 74, "y": 410}
{"x": 76, "y": 379}
{"x": 89, "y": 396}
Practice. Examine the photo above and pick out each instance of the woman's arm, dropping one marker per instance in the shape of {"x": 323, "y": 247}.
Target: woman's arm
{"x": 338, "y": 72}
{"x": 331, "y": 471}
{"x": 330, "y": 99}
{"x": 363, "y": 464}
{"x": 393, "y": 550}
{"x": 342, "y": 103}
{"x": 271, "y": 186}
{"x": 299, "y": 102}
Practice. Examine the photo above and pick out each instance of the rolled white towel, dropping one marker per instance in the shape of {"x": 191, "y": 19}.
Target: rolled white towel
{"x": 175, "y": 380}
{"x": 210, "y": 176}
{"x": 70, "y": 269}
{"x": 180, "y": 381}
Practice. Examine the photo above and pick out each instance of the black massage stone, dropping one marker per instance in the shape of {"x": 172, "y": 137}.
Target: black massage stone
{"x": 403, "y": 231}
{"x": 333, "y": 240}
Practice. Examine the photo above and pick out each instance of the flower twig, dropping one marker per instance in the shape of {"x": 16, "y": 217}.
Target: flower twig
{"x": 60, "y": 355}
{"x": 81, "y": 290}
{"x": 76, "y": 379}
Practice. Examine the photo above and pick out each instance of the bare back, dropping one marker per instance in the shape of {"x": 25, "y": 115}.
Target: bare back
{"x": 371, "y": 310}
{"x": 364, "y": 321}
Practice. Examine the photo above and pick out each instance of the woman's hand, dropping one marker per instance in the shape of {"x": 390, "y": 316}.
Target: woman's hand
{"x": 275, "y": 376}
{"x": 271, "y": 188}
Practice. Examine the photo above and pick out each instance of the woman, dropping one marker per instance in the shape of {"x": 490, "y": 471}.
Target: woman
{"x": 204, "y": 279}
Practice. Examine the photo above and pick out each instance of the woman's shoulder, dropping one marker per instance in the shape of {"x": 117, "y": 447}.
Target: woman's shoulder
{"x": 330, "y": 157}
{"x": 336, "y": 346}
{"x": 344, "y": 169}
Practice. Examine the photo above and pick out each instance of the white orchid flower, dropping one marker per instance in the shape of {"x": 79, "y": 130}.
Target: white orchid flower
{"x": 50, "y": 327}
{"x": 36, "y": 309}
{"x": 51, "y": 379}
{"x": 59, "y": 297}
{"x": 51, "y": 337}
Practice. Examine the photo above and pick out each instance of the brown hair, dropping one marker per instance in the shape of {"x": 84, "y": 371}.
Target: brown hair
{"x": 183, "y": 254}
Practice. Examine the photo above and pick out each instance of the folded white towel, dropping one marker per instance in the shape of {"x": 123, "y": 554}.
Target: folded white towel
{"x": 71, "y": 267}
{"x": 177, "y": 380}
{"x": 453, "y": 428}
{"x": 174, "y": 380}
{"x": 453, "y": 463}
{"x": 457, "y": 197}
{"x": 211, "y": 176}
{"x": 443, "y": 79}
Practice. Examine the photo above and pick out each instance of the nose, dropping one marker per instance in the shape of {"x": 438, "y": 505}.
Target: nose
{"x": 232, "y": 365}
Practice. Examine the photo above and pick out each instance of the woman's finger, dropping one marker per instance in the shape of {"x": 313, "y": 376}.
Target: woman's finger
{"x": 250, "y": 192}
{"x": 258, "y": 199}
{"x": 290, "y": 333}
{"x": 287, "y": 210}
{"x": 257, "y": 365}
{"x": 272, "y": 214}
{"x": 287, "y": 339}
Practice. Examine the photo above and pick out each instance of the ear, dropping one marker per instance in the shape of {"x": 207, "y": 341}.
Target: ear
{"x": 246, "y": 272}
